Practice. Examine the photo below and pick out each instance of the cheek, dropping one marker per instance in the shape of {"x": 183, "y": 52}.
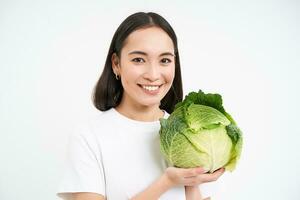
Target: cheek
{"x": 170, "y": 74}
{"x": 130, "y": 75}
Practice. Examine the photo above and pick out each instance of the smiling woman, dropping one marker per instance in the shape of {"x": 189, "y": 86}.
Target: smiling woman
{"x": 146, "y": 68}
{"x": 147, "y": 44}
{"x": 116, "y": 156}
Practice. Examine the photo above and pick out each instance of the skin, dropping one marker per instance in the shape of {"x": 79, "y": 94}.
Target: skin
{"x": 137, "y": 69}
{"x": 149, "y": 67}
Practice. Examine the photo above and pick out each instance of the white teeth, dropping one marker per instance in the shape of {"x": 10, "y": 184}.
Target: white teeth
{"x": 150, "y": 88}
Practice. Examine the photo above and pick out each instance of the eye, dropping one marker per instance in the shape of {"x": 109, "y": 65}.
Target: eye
{"x": 139, "y": 60}
{"x": 166, "y": 60}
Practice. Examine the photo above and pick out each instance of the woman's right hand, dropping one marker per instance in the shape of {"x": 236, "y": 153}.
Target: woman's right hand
{"x": 191, "y": 176}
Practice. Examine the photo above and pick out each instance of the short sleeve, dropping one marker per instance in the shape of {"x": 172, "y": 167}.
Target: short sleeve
{"x": 84, "y": 168}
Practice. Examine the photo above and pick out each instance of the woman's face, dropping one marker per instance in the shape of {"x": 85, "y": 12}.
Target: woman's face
{"x": 147, "y": 66}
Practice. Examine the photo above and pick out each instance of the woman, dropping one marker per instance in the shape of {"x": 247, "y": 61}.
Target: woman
{"x": 116, "y": 156}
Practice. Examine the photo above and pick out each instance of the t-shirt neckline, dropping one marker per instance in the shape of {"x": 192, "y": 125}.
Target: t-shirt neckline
{"x": 123, "y": 117}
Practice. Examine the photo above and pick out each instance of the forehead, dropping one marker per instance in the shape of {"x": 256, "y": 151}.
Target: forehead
{"x": 151, "y": 40}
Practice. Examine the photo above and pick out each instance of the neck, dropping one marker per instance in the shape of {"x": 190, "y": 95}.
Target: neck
{"x": 140, "y": 112}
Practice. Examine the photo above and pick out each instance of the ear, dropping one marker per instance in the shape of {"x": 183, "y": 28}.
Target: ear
{"x": 115, "y": 61}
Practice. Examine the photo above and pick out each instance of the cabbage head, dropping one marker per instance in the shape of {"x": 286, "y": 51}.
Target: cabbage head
{"x": 199, "y": 133}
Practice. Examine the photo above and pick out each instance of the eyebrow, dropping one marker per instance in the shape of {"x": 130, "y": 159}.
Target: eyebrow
{"x": 144, "y": 53}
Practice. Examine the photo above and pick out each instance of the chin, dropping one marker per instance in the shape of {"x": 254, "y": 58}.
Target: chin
{"x": 150, "y": 103}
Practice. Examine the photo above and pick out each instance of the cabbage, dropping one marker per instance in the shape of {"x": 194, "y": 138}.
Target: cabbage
{"x": 200, "y": 133}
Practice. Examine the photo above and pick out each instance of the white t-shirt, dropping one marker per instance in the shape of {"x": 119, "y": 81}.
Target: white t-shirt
{"x": 117, "y": 157}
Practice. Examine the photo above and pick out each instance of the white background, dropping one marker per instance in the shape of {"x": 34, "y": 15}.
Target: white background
{"x": 52, "y": 53}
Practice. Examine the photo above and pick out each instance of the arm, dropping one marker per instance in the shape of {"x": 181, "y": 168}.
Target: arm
{"x": 173, "y": 176}
{"x": 193, "y": 193}
{"x": 155, "y": 190}
{"x": 179, "y": 176}
{"x": 87, "y": 196}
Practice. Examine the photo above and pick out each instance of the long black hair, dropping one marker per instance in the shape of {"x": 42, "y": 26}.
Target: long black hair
{"x": 108, "y": 90}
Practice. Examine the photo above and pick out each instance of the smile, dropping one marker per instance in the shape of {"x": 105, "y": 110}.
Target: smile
{"x": 152, "y": 89}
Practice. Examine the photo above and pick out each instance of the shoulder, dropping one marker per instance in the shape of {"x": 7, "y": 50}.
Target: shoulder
{"x": 166, "y": 114}
{"x": 100, "y": 123}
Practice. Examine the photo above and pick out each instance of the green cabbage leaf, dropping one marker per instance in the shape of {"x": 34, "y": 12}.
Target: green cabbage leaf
{"x": 200, "y": 133}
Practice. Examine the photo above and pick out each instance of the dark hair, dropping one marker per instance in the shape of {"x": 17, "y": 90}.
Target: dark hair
{"x": 108, "y": 90}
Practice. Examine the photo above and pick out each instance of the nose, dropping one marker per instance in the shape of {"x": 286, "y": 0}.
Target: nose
{"x": 152, "y": 72}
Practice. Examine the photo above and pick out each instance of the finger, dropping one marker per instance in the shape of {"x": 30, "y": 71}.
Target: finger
{"x": 212, "y": 177}
{"x": 190, "y": 172}
{"x": 219, "y": 171}
{"x": 191, "y": 181}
